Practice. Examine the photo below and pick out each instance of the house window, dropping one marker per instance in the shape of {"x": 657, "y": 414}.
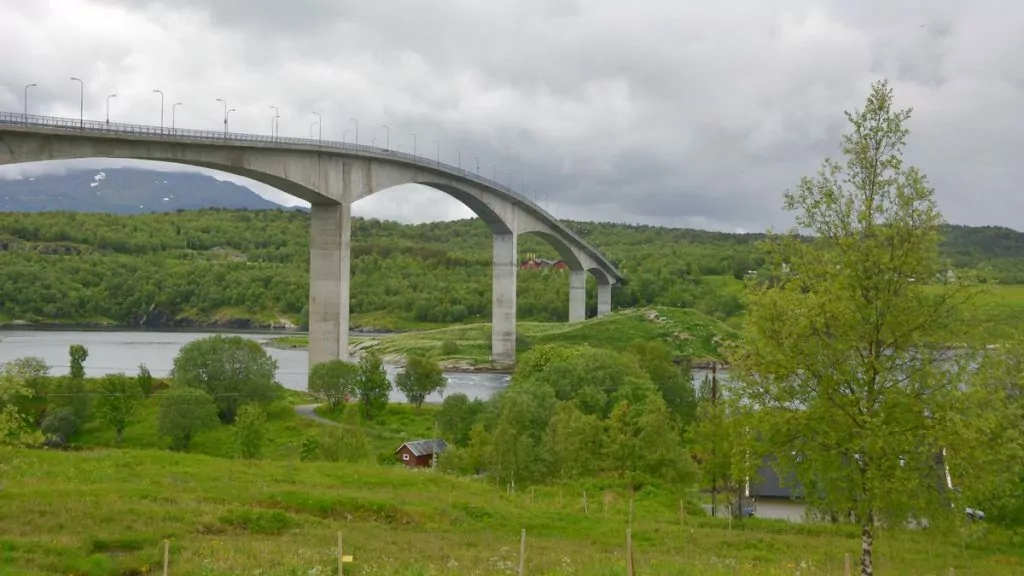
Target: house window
{"x": 405, "y": 456}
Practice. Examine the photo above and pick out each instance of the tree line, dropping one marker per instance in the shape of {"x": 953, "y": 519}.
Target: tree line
{"x": 210, "y": 266}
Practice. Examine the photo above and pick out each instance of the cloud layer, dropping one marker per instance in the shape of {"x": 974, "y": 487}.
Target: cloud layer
{"x": 675, "y": 113}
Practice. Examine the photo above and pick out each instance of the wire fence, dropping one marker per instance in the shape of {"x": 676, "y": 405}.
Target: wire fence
{"x": 177, "y": 135}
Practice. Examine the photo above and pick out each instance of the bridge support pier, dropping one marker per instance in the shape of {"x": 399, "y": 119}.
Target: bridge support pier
{"x": 503, "y": 299}
{"x": 577, "y": 295}
{"x": 330, "y": 238}
{"x": 604, "y": 299}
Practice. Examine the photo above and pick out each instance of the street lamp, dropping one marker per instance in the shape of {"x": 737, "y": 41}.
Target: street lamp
{"x": 161, "y": 92}
{"x": 320, "y": 121}
{"x": 373, "y": 142}
{"x": 173, "y": 107}
{"x": 458, "y": 154}
{"x": 438, "y": 152}
{"x": 226, "y": 115}
{"x": 477, "y": 158}
{"x": 413, "y": 143}
{"x": 81, "y": 101}
{"x": 27, "y": 86}
{"x": 388, "y": 138}
{"x": 273, "y": 120}
{"x": 109, "y": 96}
{"x": 225, "y": 103}
{"x": 357, "y": 129}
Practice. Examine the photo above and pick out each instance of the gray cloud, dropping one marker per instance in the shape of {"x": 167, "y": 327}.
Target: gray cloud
{"x": 687, "y": 114}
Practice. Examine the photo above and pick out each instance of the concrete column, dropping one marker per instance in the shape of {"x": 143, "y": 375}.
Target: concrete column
{"x": 330, "y": 235}
{"x": 604, "y": 299}
{"x": 577, "y": 296}
{"x": 503, "y": 299}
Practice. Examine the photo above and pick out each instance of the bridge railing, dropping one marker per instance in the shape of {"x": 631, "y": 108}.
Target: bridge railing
{"x": 72, "y": 125}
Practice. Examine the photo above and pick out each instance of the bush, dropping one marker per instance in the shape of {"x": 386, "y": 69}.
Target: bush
{"x": 449, "y": 348}
{"x": 144, "y": 380}
{"x": 184, "y": 413}
{"x": 249, "y": 431}
{"x": 233, "y": 370}
{"x": 334, "y": 381}
{"x": 60, "y": 423}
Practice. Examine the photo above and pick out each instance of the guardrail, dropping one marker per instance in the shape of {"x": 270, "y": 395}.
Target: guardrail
{"x": 73, "y": 126}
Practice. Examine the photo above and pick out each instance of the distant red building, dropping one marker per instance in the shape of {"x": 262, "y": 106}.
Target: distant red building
{"x": 542, "y": 263}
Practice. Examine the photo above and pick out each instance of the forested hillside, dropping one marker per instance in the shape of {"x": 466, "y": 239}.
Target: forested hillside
{"x": 250, "y": 267}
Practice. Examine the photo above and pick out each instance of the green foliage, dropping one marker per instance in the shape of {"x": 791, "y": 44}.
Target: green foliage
{"x": 845, "y": 360}
{"x": 420, "y": 378}
{"x": 224, "y": 267}
{"x": 59, "y": 423}
{"x": 334, "y": 381}
{"x": 372, "y": 386}
{"x": 670, "y": 375}
{"x": 144, "y": 380}
{"x": 345, "y": 443}
{"x": 78, "y": 355}
{"x": 231, "y": 369}
{"x": 456, "y": 417}
{"x": 184, "y": 413}
{"x": 449, "y": 348}
{"x": 249, "y": 431}
{"x": 71, "y": 393}
{"x": 118, "y": 401}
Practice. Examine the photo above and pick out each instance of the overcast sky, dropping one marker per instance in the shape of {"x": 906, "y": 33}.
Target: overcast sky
{"x": 667, "y": 112}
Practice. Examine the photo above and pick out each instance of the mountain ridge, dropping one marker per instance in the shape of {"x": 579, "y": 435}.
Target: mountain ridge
{"x": 126, "y": 191}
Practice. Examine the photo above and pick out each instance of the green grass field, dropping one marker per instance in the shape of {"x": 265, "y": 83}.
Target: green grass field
{"x": 106, "y": 512}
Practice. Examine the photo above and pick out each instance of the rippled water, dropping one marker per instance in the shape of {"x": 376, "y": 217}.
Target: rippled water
{"x": 123, "y": 351}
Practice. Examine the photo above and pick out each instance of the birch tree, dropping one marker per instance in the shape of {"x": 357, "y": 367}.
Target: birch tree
{"x": 847, "y": 358}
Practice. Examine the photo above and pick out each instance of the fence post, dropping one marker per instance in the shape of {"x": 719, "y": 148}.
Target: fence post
{"x": 167, "y": 554}
{"x": 847, "y": 569}
{"x": 522, "y": 553}
{"x": 341, "y": 569}
{"x": 586, "y": 511}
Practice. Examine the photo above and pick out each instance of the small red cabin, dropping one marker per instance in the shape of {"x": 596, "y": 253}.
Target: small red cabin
{"x": 420, "y": 453}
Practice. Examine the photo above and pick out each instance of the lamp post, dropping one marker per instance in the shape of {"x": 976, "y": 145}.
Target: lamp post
{"x": 373, "y": 142}
{"x": 225, "y": 102}
{"x": 27, "y": 86}
{"x": 387, "y": 139}
{"x": 413, "y": 143}
{"x": 81, "y": 101}
{"x": 438, "y": 152}
{"x": 273, "y": 122}
{"x": 357, "y": 128}
{"x": 320, "y": 122}
{"x": 109, "y": 96}
{"x": 458, "y": 155}
{"x": 477, "y": 158}
{"x": 226, "y": 115}
{"x": 173, "y": 107}
{"x": 161, "y": 93}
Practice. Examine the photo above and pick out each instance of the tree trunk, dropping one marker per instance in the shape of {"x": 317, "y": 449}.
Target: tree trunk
{"x": 120, "y": 432}
{"x": 867, "y": 539}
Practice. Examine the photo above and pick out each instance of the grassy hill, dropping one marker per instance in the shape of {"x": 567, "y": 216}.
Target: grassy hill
{"x": 106, "y": 512}
{"x": 687, "y": 332}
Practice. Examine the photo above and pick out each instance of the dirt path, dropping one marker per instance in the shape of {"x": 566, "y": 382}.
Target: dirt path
{"x": 306, "y": 411}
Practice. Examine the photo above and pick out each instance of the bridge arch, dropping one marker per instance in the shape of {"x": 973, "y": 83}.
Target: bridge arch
{"x": 330, "y": 176}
